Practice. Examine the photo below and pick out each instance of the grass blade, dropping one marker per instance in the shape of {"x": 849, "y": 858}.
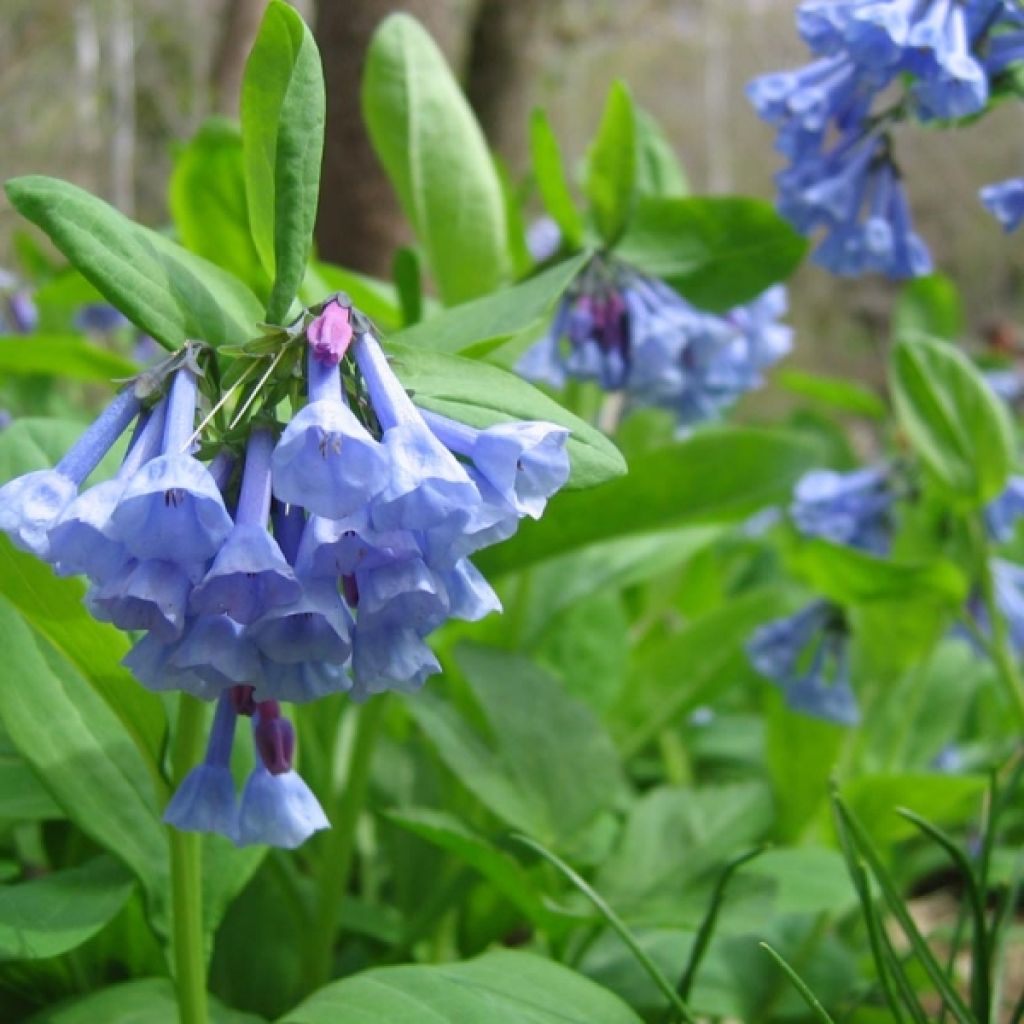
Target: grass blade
{"x": 800, "y": 985}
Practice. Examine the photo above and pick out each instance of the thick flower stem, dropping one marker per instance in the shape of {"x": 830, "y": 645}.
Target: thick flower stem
{"x": 186, "y": 877}
{"x": 338, "y": 852}
{"x": 999, "y": 645}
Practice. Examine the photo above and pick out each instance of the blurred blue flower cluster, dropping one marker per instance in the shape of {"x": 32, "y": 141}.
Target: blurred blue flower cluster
{"x": 318, "y": 564}
{"x": 633, "y": 334}
{"x": 842, "y": 177}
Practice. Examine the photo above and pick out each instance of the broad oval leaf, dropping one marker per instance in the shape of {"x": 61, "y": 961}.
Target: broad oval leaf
{"x": 480, "y": 394}
{"x": 61, "y": 355}
{"x": 51, "y": 914}
{"x": 611, "y": 164}
{"x": 437, "y": 159}
{"x": 717, "y": 252}
{"x": 503, "y": 987}
{"x": 718, "y": 475}
{"x": 953, "y": 420}
{"x": 163, "y": 289}
{"x": 283, "y": 115}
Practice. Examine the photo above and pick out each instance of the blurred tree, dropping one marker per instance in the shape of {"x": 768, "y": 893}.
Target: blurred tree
{"x": 239, "y": 23}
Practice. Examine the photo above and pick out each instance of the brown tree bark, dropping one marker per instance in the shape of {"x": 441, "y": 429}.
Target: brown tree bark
{"x": 359, "y": 223}
{"x": 240, "y": 22}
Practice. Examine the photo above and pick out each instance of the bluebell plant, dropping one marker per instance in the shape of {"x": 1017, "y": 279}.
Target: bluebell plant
{"x": 943, "y": 59}
{"x": 631, "y": 333}
{"x": 283, "y": 562}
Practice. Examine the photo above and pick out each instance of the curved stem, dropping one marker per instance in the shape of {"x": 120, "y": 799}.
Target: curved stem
{"x": 999, "y": 645}
{"x": 339, "y": 842}
{"x": 186, "y": 876}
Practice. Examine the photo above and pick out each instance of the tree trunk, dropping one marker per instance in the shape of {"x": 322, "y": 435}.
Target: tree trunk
{"x": 241, "y": 20}
{"x": 360, "y": 224}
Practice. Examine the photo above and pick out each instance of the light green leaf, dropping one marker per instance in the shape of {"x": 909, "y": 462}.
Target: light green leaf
{"x": 61, "y": 355}
{"x": 437, "y": 159}
{"x": 502, "y": 987}
{"x": 87, "y": 760}
{"x": 955, "y": 423}
{"x": 480, "y": 394}
{"x": 836, "y": 392}
{"x": 283, "y": 115}
{"x": 163, "y": 289}
{"x": 611, "y": 165}
{"x": 717, "y": 252}
{"x": 718, "y": 475}
{"x": 931, "y": 306}
{"x": 551, "y": 182}
{"x": 658, "y": 170}
{"x": 476, "y": 327}
{"x": 51, "y": 914}
{"x": 207, "y": 197}
{"x": 22, "y": 796}
{"x": 377, "y": 299}
{"x": 546, "y": 767}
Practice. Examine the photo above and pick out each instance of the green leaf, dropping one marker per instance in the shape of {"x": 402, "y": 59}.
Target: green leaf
{"x": 142, "y": 1001}
{"x": 958, "y": 427}
{"x": 476, "y": 327}
{"x": 480, "y": 394}
{"x": 437, "y": 159}
{"x": 405, "y": 269}
{"x": 377, "y": 299}
{"x": 22, "y": 796}
{"x": 717, "y": 252}
{"x": 163, "y": 289}
{"x": 54, "y": 913}
{"x": 551, "y": 181}
{"x": 502, "y": 987}
{"x": 813, "y": 1004}
{"x": 611, "y": 165}
{"x": 207, "y": 197}
{"x": 931, "y": 306}
{"x": 502, "y": 871}
{"x": 658, "y": 170}
{"x": 87, "y": 760}
{"x": 547, "y": 766}
{"x": 283, "y": 115}
{"x": 837, "y": 392}
{"x": 62, "y": 355}
{"x": 718, "y": 475}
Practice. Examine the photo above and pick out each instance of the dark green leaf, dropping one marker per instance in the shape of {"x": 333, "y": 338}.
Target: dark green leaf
{"x": 551, "y": 182}
{"x": 207, "y": 198}
{"x": 162, "y": 288}
{"x": 717, "y": 252}
{"x": 283, "y": 115}
{"x": 480, "y": 394}
{"x": 476, "y": 327}
{"x": 405, "y": 269}
{"x": 61, "y": 355}
{"x": 611, "y": 165}
{"x": 502, "y": 987}
{"x": 437, "y": 159}
{"x": 719, "y": 475}
{"x": 958, "y": 427}
{"x": 54, "y": 913}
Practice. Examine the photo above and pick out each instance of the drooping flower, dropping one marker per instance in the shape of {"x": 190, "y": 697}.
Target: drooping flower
{"x": 805, "y": 656}
{"x": 852, "y": 508}
{"x": 1005, "y": 201}
{"x": 31, "y": 504}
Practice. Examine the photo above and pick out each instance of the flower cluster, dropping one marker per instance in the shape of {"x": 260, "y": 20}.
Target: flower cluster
{"x": 842, "y": 177}
{"x": 316, "y": 563}
{"x": 805, "y": 654}
{"x": 633, "y": 334}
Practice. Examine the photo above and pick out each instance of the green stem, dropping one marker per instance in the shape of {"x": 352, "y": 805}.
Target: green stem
{"x": 338, "y": 852}
{"x": 999, "y": 645}
{"x": 186, "y": 876}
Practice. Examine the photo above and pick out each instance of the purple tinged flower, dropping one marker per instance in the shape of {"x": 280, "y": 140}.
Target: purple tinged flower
{"x": 390, "y": 659}
{"x": 150, "y": 595}
{"x": 1002, "y": 513}
{"x": 249, "y": 575}
{"x": 805, "y": 656}
{"x": 427, "y": 487}
{"x": 1005, "y": 201}
{"x": 543, "y": 239}
{"x": 219, "y": 651}
{"x": 172, "y": 508}
{"x": 1007, "y": 384}
{"x": 338, "y": 547}
{"x": 277, "y": 808}
{"x": 405, "y": 593}
{"x": 1004, "y": 50}
{"x": 330, "y": 334}
{"x": 100, "y": 318}
{"x": 954, "y": 84}
{"x": 149, "y": 662}
{"x": 326, "y": 461}
{"x": 315, "y": 627}
{"x": 851, "y": 508}
{"x": 31, "y": 504}
{"x": 82, "y": 540}
{"x": 542, "y": 362}
{"x": 302, "y": 681}
{"x": 23, "y": 312}
{"x": 470, "y": 596}
{"x": 205, "y": 800}
{"x": 526, "y": 462}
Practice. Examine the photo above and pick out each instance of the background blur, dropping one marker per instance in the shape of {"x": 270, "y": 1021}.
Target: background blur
{"x": 97, "y": 91}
